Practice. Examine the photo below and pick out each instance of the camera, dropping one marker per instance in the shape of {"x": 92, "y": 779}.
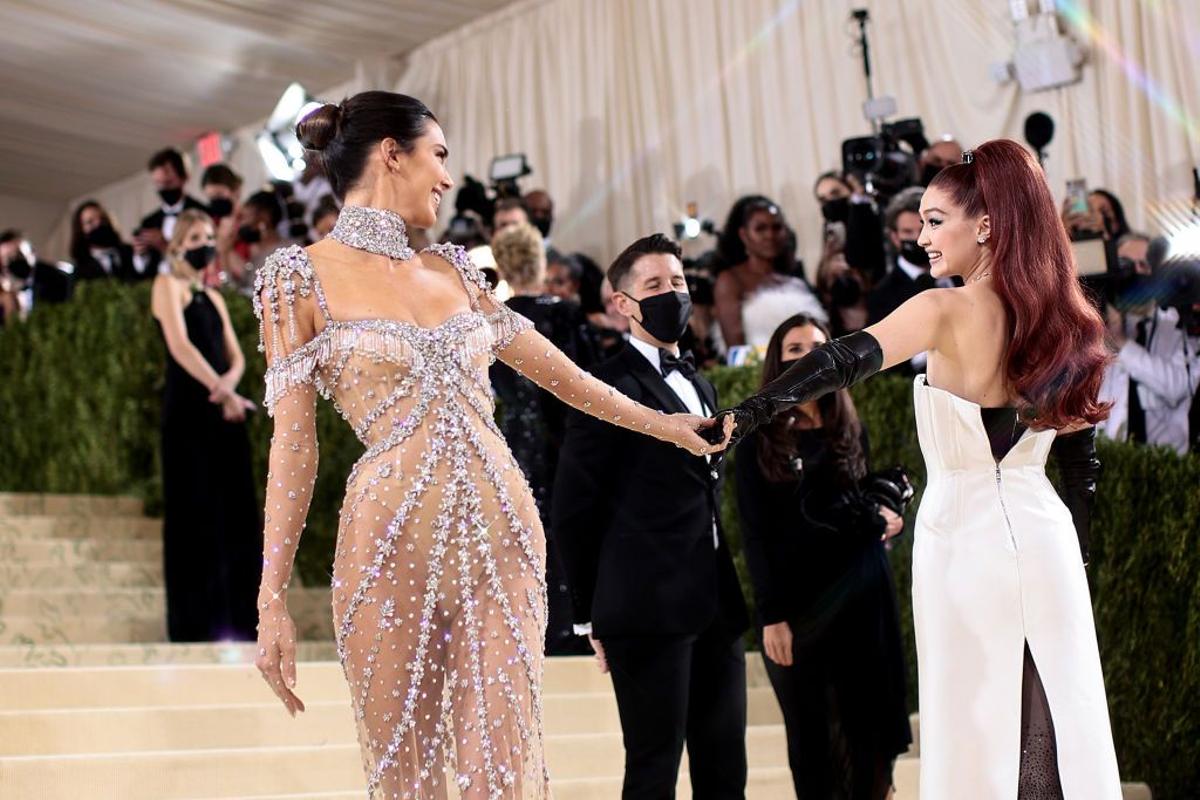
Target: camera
{"x": 880, "y": 162}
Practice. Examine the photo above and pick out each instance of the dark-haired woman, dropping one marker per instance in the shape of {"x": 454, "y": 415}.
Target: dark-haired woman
{"x": 1012, "y": 696}
{"x": 814, "y": 542}
{"x": 758, "y": 285}
{"x": 439, "y": 571}
{"x": 96, "y": 248}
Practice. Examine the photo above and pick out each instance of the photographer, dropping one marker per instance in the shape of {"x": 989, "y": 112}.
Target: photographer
{"x": 851, "y": 216}
{"x": 1105, "y": 217}
{"x": 938, "y": 156}
{"x": 1157, "y": 368}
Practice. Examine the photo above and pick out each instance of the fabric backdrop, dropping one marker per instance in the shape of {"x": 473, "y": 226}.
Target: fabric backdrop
{"x": 629, "y": 109}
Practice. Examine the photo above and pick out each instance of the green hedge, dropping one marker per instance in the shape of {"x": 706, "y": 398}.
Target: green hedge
{"x": 80, "y": 399}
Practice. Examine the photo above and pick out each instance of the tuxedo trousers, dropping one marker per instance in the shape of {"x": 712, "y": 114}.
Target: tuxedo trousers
{"x": 676, "y": 690}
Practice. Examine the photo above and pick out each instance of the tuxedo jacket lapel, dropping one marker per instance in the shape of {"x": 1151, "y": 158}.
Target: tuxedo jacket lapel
{"x": 652, "y": 381}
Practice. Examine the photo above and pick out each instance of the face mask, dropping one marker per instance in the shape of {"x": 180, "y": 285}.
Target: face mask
{"x": 200, "y": 257}
{"x": 836, "y": 210}
{"x": 542, "y": 224}
{"x": 845, "y": 290}
{"x": 249, "y": 234}
{"x": 914, "y": 254}
{"x": 220, "y": 207}
{"x": 170, "y": 196}
{"x": 665, "y": 316}
{"x": 102, "y": 236}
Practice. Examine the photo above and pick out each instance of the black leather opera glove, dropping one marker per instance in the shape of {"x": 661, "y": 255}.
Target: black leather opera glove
{"x": 1078, "y": 469}
{"x": 834, "y": 365}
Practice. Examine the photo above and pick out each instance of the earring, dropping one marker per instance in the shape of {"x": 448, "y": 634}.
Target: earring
{"x": 982, "y": 239}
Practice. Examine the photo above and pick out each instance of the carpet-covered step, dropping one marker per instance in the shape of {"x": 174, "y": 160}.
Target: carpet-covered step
{"x": 14, "y": 503}
{"x": 79, "y": 550}
{"x": 233, "y": 683}
{"x": 43, "y": 575}
{"x": 34, "y": 655}
{"x": 296, "y": 770}
{"x": 86, "y": 628}
{"x": 22, "y": 528}
{"x": 83, "y": 730}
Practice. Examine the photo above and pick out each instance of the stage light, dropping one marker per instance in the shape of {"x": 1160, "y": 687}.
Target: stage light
{"x": 277, "y": 143}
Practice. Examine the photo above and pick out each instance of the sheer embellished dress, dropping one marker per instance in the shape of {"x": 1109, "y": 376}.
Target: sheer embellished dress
{"x": 439, "y": 591}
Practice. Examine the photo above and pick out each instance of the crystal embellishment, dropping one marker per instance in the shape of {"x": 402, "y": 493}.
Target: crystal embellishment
{"x": 376, "y": 230}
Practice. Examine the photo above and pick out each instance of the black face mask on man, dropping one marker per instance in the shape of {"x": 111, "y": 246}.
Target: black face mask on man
{"x": 249, "y": 234}
{"x": 913, "y": 253}
{"x": 220, "y": 207}
{"x": 836, "y": 210}
{"x": 200, "y": 257}
{"x": 170, "y": 196}
{"x": 846, "y": 290}
{"x": 665, "y": 316}
{"x": 928, "y": 173}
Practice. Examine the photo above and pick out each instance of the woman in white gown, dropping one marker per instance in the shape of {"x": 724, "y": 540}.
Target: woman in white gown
{"x": 1012, "y": 697}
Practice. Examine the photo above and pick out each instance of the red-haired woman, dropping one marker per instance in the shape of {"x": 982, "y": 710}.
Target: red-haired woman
{"x": 1011, "y": 694}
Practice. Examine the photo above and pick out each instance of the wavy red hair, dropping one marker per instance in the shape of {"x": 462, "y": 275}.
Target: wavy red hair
{"x": 1056, "y": 354}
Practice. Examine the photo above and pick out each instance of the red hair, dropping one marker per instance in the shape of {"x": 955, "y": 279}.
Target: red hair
{"x": 1056, "y": 355}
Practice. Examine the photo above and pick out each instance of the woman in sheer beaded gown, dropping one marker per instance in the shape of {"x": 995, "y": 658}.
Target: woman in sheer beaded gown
{"x": 438, "y": 591}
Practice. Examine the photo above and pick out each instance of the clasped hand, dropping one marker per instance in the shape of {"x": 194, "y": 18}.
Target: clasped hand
{"x": 684, "y": 430}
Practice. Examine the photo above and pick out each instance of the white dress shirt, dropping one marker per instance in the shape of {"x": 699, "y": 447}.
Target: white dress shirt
{"x": 170, "y": 217}
{"x": 1167, "y": 370}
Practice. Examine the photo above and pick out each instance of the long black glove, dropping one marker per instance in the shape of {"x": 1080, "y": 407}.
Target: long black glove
{"x": 831, "y": 366}
{"x": 1078, "y": 470}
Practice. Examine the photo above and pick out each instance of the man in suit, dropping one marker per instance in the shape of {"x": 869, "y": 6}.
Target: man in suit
{"x": 909, "y": 275}
{"x": 169, "y": 172}
{"x": 652, "y": 582}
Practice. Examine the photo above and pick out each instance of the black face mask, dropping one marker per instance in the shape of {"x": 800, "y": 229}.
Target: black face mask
{"x": 665, "y": 316}
{"x": 249, "y": 234}
{"x": 102, "y": 236}
{"x": 220, "y": 207}
{"x": 928, "y": 172}
{"x": 845, "y": 290}
{"x": 914, "y": 253}
{"x": 200, "y": 257}
{"x": 170, "y": 196}
{"x": 542, "y": 224}
{"x": 836, "y": 210}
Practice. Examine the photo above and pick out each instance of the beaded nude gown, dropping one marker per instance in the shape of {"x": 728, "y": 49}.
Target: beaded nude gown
{"x": 439, "y": 595}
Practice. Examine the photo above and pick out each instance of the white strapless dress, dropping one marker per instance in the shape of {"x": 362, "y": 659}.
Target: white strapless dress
{"x": 996, "y": 564}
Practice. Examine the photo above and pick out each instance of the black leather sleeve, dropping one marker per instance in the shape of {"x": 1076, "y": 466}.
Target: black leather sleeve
{"x": 1079, "y": 470}
{"x": 834, "y": 365}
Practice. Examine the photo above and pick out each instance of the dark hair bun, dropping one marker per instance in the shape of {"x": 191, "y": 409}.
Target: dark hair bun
{"x": 317, "y": 130}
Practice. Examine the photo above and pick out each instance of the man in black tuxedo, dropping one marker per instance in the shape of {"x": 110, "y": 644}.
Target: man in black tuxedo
{"x": 652, "y": 582}
{"x": 169, "y": 172}
{"x": 909, "y": 275}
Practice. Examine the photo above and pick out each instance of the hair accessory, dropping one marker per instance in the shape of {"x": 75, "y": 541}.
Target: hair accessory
{"x": 968, "y": 157}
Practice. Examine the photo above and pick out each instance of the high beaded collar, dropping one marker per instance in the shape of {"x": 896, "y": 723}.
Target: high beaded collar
{"x": 376, "y": 230}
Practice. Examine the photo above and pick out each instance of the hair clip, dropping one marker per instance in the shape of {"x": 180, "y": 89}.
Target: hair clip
{"x": 968, "y": 157}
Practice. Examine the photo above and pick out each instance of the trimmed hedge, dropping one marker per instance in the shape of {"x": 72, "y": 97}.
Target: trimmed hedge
{"x": 80, "y": 399}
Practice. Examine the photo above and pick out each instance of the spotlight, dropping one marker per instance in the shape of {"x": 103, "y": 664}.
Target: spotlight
{"x": 691, "y": 226}
{"x": 277, "y": 143}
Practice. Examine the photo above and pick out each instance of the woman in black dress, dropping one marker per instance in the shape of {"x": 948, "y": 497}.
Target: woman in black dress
{"x": 96, "y": 248}
{"x": 815, "y": 545}
{"x": 532, "y": 419}
{"x": 212, "y": 534}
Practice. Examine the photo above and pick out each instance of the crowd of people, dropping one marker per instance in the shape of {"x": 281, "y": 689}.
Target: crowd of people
{"x": 648, "y": 322}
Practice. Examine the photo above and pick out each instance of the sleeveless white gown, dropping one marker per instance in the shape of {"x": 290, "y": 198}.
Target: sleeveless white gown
{"x": 995, "y": 564}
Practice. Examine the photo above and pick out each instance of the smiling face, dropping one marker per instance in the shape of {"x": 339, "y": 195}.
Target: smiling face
{"x": 765, "y": 234}
{"x": 422, "y": 175}
{"x": 951, "y": 237}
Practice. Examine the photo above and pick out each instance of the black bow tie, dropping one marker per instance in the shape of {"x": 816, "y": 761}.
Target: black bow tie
{"x": 685, "y": 363}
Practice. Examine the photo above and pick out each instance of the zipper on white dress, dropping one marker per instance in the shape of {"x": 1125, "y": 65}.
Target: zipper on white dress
{"x": 1004, "y": 508}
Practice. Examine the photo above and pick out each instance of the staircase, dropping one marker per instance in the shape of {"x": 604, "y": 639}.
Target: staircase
{"x": 94, "y": 703}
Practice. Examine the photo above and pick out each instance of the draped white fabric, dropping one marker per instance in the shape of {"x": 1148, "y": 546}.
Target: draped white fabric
{"x": 629, "y": 109}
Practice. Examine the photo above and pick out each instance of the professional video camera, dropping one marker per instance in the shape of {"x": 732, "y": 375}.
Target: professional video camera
{"x": 475, "y": 204}
{"x": 887, "y": 162}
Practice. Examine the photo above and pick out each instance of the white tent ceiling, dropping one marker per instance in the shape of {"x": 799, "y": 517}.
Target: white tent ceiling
{"x": 89, "y": 88}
